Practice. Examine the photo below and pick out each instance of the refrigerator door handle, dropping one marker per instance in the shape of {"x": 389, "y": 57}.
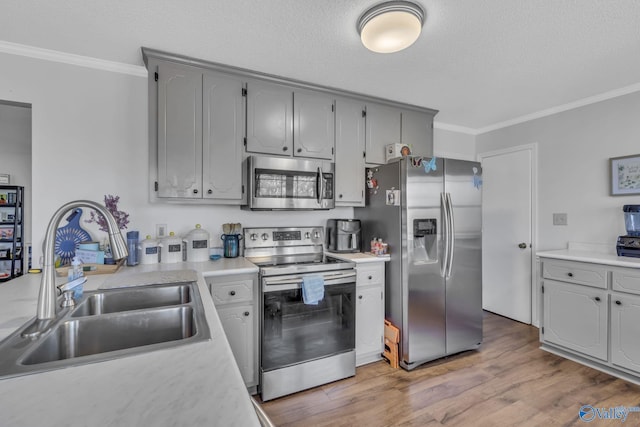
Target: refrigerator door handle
{"x": 451, "y": 235}
{"x": 445, "y": 236}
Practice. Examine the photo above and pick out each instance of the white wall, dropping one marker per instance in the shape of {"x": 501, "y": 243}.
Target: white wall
{"x": 574, "y": 148}
{"x": 15, "y": 153}
{"x": 454, "y": 145}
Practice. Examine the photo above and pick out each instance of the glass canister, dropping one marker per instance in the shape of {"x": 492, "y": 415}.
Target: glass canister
{"x": 230, "y": 244}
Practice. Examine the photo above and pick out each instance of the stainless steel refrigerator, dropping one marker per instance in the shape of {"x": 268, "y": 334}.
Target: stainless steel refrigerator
{"x": 428, "y": 210}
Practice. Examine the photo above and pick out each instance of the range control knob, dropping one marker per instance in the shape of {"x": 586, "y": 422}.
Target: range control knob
{"x": 307, "y": 235}
{"x": 253, "y": 236}
{"x": 316, "y": 234}
{"x": 265, "y": 236}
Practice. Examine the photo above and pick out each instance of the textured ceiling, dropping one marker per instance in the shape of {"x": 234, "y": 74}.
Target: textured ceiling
{"x": 480, "y": 62}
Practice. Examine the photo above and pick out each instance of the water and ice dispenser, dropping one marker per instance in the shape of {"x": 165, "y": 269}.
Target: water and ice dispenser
{"x": 425, "y": 237}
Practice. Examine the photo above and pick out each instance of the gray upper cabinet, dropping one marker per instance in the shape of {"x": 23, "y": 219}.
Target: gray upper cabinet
{"x": 383, "y": 128}
{"x": 179, "y": 148}
{"x": 284, "y": 121}
{"x": 314, "y": 125}
{"x": 350, "y": 146}
{"x": 269, "y": 118}
{"x": 200, "y": 134}
{"x": 223, "y": 137}
{"x": 417, "y": 132}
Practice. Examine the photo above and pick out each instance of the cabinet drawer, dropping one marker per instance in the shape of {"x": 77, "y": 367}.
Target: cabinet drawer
{"x": 581, "y": 273}
{"x": 231, "y": 292}
{"x": 370, "y": 274}
{"x": 626, "y": 280}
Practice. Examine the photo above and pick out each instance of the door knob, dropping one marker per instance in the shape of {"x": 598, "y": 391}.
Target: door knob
{"x": 522, "y": 245}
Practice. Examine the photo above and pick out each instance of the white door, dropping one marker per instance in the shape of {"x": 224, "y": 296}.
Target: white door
{"x": 507, "y": 254}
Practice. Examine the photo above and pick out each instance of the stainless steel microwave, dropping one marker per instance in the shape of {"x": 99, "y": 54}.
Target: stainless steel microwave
{"x": 277, "y": 183}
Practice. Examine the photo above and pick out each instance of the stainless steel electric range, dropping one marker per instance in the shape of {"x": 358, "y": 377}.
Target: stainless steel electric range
{"x": 301, "y": 345}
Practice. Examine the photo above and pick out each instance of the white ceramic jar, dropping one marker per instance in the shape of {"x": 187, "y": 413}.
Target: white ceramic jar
{"x": 170, "y": 249}
{"x": 197, "y": 244}
{"x": 149, "y": 251}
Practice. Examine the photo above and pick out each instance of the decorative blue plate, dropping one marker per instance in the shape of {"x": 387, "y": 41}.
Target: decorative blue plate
{"x": 69, "y": 236}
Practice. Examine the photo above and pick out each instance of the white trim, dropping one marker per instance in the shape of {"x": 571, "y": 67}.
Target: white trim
{"x": 535, "y": 288}
{"x": 71, "y": 59}
{"x": 560, "y": 108}
{"x": 454, "y": 128}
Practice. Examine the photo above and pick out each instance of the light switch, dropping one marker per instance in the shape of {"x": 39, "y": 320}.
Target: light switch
{"x": 559, "y": 219}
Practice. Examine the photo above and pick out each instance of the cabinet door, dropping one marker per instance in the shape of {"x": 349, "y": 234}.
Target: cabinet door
{"x": 625, "y": 331}
{"x": 223, "y": 134}
{"x": 313, "y": 125}
{"x": 269, "y": 118}
{"x": 349, "y": 163}
{"x": 237, "y": 322}
{"x": 575, "y": 317}
{"x": 179, "y": 131}
{"x": 417, "y": 132}
{"x": 383, "y": 128}
{"x": 369, "y": 323}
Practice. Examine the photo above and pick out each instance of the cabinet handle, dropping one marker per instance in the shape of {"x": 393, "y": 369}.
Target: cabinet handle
{"x": 232, "y": 293}
{"x": 299, "y": 150}
{"x": 359, "y": 296}
{"x": 339, "y": 196}
{"x": 285, "y": 148}
{"x": 597, "y": 299}
{"x": 246, "y": 313}
{"x": 570, "y": 274}
{"x": 209, "y": 191}
{"x": 370, "y": 277}
{"x": 618, "y": 303}
{"x": 195, "y": 191}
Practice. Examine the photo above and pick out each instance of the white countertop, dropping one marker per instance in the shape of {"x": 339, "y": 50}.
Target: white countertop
{"x": 591, "y": 256}
{"x": 359, "y": 257}
{"x": 190, "y": 385}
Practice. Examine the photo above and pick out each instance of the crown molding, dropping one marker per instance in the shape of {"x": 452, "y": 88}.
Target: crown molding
{"x": 561, "y": 108}
{"x": 454, "y": 128}
{"x": 71, "y": 59}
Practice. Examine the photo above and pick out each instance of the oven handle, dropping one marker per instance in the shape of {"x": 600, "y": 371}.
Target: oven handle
{"x": 274, "y": 284}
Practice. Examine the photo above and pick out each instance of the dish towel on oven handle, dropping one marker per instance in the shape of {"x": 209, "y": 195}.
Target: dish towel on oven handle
{"x": 312, "y": 289}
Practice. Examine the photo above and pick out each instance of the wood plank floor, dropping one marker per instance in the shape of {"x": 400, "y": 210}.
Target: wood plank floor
{"x": 508, "y": 382}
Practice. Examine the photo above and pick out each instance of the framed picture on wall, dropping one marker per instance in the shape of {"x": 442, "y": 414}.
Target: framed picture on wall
{"x": 625, "y": 175}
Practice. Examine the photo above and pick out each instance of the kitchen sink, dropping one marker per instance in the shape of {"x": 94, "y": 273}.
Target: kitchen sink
{"x": 110, "y": 324}
{"x": 102, "y": 334}
{"x": 137, "y": 298}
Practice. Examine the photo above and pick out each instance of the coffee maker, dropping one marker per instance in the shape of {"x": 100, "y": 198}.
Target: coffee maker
{"x": 343, "y": 235}
{"x": 629, "y": 245}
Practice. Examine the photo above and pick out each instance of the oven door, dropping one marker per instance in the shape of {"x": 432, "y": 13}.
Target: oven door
{"x": 290, "y": 184}
{"x": 294, "y": 332}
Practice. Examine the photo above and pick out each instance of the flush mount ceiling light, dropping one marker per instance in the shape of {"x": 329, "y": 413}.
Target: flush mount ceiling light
{"x": 391, "y": 26}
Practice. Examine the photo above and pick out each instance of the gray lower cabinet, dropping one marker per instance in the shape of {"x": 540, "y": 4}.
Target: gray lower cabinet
{"x": 350, "y": 149}
{"x": 576, "y": 317}
{"x": 235, "y": 298}
{"x": 625, "y": 327}
{"x": 591, "y": 314}
{"x": 369, "y": 312}
{"x": 290, "y": 122}
{"x": 200, "y": 134}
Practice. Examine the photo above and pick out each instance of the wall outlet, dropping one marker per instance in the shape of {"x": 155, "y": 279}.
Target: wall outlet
{"x": 559, "y": 219}
{"x": 161, "y": 230}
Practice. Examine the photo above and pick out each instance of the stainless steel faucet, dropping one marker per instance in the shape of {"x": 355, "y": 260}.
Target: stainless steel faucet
{"x": 47, "y": 296}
